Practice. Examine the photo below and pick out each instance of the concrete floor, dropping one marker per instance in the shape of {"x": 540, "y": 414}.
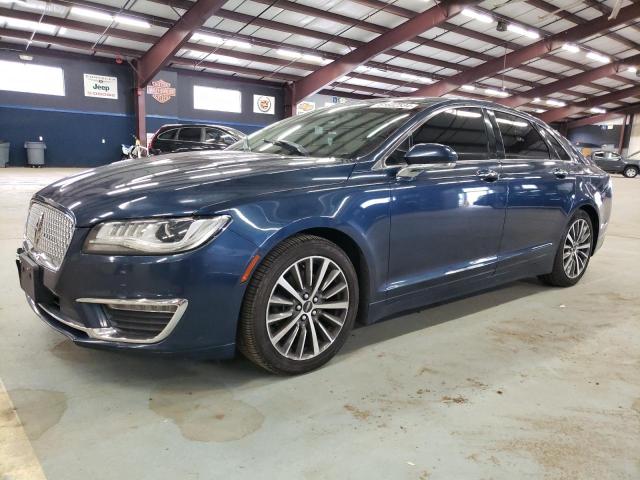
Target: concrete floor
{"x": 524, "y": 382}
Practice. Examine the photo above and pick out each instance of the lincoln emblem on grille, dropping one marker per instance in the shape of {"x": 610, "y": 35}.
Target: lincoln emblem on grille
{"x": 37, "y": 233}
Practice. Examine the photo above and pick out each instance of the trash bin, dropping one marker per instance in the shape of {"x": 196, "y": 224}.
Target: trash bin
{"x": 35, "y": 153}
{"x": 4, "y": 153}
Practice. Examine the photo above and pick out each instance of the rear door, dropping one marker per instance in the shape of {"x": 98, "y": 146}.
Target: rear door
{"x": 213, "y": 139}
{"x": 446, "y": 223}
{"x": 165, "y": 141}
{"x": 541, "y": 189}
{"x": 189, "y": 138}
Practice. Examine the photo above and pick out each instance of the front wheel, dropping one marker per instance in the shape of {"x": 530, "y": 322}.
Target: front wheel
{"x": 574, "y": 252}
{"x": 299, "y": 307}
{"x": 630, "y": 171}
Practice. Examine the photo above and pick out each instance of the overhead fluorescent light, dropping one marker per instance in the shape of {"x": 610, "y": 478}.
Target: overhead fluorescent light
{"x": 288, "y": 53}
{"x": 555, "y": 103}
{"x": 597, "y": 110}
{"x": 481, "y": 17}
{"x": 25, "y": 58}
{"x": 496, "y": 93}
{"x": 513, "y": 28}
{"x": 468, "y": 88}
{"x": 344, "y": 79}
{"x": 537, "y": 100}
{"x": 29, "y": 25}
{"x": 206, "y": 38}
{"x": 539, "y": 110}
{"x": 598, "y": 58}
{"x": 237, "y": 43}
{"x": 632, "y": 69}
{"x": 90, "y": 13}
{"x": 409, "y": 76}
{"x": 134, "y": 22}
{"x": 313, "y": 58}
{"x": 570, "y": 47}
{"x": 62, "y": 31}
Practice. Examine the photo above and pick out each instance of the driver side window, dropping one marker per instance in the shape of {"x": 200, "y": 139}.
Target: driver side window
{"x": 462, "y": 129}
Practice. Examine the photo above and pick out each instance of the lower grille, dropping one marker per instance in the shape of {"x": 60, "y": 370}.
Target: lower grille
{"x": 136, "y": 324}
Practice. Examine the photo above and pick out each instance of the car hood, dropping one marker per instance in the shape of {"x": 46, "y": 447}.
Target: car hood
{"x": 187, "y": 183}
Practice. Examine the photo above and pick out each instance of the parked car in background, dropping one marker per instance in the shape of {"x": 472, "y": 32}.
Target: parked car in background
{"x": 183, "y": 138}
{"x": 613, "y": 162}
{"x": 275, "y": 246}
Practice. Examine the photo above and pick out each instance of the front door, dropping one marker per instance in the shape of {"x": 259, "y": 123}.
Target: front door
{"x": 446, "y": 223}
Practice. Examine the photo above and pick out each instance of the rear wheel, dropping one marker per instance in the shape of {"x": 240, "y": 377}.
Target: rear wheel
{"x": 574, "y": 252}
{"x": 299, "y": 307}
{"x": 630, "y": 171}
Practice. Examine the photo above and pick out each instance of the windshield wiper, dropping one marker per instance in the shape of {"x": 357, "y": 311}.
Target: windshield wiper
{"x": 291, "y": 146}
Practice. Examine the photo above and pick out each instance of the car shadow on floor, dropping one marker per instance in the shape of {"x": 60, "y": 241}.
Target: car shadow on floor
{"x": 143, "y": 369}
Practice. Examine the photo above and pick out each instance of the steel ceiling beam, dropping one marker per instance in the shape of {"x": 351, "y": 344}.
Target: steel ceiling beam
{"x": 174, "y": 38}
{"x": 537, "y": 49}
{"x": 603, "y": 117}
{"x": 346, "y": 64}
{"x": 604, "y": 71}
{"x": 559, "y": 113}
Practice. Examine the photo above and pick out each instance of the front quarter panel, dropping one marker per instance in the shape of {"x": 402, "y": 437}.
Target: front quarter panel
{"x": 358, "y": 209}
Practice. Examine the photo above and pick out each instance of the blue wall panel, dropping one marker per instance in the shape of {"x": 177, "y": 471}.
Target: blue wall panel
{"x": 73, "y": 138}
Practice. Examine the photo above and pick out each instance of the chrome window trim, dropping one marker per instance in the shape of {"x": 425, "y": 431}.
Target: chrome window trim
{"x": 381, "y": 164}
{"x": 109, "y": 334}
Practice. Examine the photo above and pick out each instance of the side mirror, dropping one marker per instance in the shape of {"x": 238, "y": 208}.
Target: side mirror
{"x": 427, "y": 156}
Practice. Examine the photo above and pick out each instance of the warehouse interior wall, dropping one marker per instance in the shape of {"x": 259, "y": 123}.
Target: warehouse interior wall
{"x": 81, "y": 131}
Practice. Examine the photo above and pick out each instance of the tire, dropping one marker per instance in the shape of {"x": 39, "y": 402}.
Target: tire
{"x": 630, "y": 171}
{"x": 315, "y": 332}
{"x": 563, "y": 274}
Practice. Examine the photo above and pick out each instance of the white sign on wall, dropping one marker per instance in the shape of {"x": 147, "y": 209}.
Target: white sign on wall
{"x": 264, "y": 104}
{"x": 100, "y": 86}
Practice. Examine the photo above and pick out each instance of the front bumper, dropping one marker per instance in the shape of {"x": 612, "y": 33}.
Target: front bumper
{"x": 204, "y": 286}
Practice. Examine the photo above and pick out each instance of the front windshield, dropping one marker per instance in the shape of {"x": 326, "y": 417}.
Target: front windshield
{"x": 346, "y": 131}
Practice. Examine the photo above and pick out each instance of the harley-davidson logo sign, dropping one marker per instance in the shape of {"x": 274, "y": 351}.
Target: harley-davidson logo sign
{"x": 161, "y": 91}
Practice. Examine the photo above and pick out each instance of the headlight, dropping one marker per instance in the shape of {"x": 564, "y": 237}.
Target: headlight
{"x": 159, "y": 236}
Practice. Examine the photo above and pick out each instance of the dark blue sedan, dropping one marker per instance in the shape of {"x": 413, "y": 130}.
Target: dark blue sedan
{"x": 278, "y": 245}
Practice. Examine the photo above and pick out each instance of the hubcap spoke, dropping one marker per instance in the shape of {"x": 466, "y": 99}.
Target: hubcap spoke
{"x": 576, "y": 248}
{"x": 307, "y": 308}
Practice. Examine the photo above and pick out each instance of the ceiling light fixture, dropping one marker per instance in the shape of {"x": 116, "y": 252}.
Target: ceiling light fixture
{"x": 468, "y": 88}
{"x": 597, "y": 110}
{"x": 134, "y": 22}
{"x": 90, "y": 13}
{"x": 409, "y": 76}
{"x": 555, "y": 103}
{"x": 632, "y": 69}
{"x": 513, "y": 28}
{"x": 496, "y": 93}
{"x": 207, "y": 38}
{"x": 237, "y": 43}
{"x": 570, "y": 47}
{"x": 26, "y": 58}
{"x": 598, "y": 58}
{"x": 313, "y": 58}
{"x": 288, "y": 53}
{"x": 481, "y": 17}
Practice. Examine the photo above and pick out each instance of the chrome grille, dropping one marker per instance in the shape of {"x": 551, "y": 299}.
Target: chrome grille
{"x": 47, "y": 234}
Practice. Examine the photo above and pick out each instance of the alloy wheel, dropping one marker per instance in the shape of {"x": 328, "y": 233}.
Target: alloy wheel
{"x": 307, "y": 308}
{"x": 576, "y": 248}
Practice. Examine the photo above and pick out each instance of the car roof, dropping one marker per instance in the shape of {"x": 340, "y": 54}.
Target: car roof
{"x": 197, "y": 125}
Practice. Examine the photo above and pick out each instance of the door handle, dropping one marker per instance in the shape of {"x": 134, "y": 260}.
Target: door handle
{"x": 559, "y": 172}
{"x": 488, "y": 175}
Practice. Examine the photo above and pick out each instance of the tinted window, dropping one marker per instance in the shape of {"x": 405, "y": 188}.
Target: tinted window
{"x": 560, "y": 152}
{"x": 462, "y": 129}
{"x": 168, "y": 135}
{"x": 520, "y": 138}
{"x": 190, "y": 134}
{"x": 212, "y": 135}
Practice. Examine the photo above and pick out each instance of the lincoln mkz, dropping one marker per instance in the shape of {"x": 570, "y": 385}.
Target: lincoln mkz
{"x": 276, "y": 246}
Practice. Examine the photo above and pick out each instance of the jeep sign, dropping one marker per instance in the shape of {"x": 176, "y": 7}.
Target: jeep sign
{"x": 100, "y": 86}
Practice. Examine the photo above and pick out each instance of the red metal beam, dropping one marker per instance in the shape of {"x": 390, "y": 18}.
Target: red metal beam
{"x": 568, "y": 82}
{"x": 537, "y": 49}
{"x": 408, "y": 30}
{"x": 559, "y": 113}
{"x": 174, "y": 38}
{"x": 603, "y": 117}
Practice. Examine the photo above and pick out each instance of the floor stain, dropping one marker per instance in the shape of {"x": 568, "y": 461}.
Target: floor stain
{"x": 459, "y": 399}
{"x": 358, "y": 413}
{"x": 206, "y": 414}
{"x": 38, "y": 410}
{"x": 636, "y": 405}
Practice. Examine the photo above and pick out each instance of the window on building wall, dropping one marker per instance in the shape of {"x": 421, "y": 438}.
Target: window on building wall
{"x": 31, "y": 78}
{"x": 217, "y": 99}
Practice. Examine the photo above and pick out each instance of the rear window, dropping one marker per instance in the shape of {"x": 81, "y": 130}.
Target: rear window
{"x": 190, "y": 134}
{"x": 520, "y": 138}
